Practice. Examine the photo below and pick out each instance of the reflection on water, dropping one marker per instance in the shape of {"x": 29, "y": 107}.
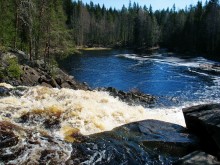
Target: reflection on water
{"x": 165, "y": 75}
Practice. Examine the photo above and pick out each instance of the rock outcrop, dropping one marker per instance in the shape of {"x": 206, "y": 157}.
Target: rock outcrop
{"x": 204, "y": 121}
{"x": 163, "y": 137}
{"x": 144, "y": 142}
{"x": 36, "y": 76}
{"x": 35, "y": 73}
{"x": 167, "y": 137}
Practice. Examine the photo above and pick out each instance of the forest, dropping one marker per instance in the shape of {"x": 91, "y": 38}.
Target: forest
{"x": 44, "y": 27}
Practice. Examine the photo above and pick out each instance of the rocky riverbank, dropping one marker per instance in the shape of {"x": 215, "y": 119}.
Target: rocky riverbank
{"x": 34, "y": 73}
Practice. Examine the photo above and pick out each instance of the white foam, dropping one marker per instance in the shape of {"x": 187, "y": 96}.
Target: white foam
{"x": 132, "y": 56}
{"x": 198, "y": 62}
{"x": 197, "y": 72}
{"x": 89, "y": 111}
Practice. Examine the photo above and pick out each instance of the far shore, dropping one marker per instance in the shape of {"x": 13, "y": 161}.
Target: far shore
{"x": 93, "y": 48}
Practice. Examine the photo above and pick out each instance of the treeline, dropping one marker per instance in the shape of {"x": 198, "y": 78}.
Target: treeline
{"x": 195, "y": 28}
{"x": 42, "y": 27}
{"x": 96, "y": 25}
{"x": 35, "y": 26}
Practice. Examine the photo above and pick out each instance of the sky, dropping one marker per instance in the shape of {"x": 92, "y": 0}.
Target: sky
{"x": 156, "y": 4}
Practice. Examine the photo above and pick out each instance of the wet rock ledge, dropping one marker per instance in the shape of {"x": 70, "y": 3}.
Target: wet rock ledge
{"x": 204, "y": 121}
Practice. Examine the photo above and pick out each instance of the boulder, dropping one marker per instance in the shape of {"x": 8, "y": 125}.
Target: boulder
{"x": 4, "y": 91}
{"x": 164, "y": 137}
{"x": 204, "y": 121}
{"x": 29, "y": 76}
{"x": 198, "y": 157}
{"x": 144, "y": 142}
{"x": 65, "y": 85}
{"x": 167, "y": 138}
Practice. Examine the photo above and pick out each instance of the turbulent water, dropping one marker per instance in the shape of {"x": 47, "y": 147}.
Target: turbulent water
{"x": 48, "y": 120}
{"x": 87, "y": 111}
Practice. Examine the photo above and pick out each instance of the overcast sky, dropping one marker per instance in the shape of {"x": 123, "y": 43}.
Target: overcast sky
{"x": 156, "y": 4}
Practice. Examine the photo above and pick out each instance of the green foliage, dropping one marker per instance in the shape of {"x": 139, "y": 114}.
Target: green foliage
{"x": 2, "y": 74}
{"x": 53, "y": 66}
{"x": 7, "y": 16}
{"x": 13, "y": 69}
{"x": 44, "y": 28}
{"x": 3, "y": 49}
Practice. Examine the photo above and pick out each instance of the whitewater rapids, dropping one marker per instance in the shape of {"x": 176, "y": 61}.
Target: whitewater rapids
{"x": 87, "y": 112}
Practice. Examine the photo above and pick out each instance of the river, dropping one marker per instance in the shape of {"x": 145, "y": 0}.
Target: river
{"x": 40, "y": 125}
{"x": 175, "y": 79}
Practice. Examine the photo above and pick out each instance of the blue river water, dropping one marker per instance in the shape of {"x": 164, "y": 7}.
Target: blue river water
{"x": 162, "y": 74}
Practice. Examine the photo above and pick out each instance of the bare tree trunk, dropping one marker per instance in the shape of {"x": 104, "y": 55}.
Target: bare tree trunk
{"x": 16, "y": 23}
{"x": 30, "y": 47}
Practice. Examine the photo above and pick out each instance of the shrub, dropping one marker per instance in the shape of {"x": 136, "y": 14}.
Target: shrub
{"x": 2, "y": 75}
{"x": 3, "y": 49}
{"x": 53, "y": 65}
{"x": 13, "y": 69}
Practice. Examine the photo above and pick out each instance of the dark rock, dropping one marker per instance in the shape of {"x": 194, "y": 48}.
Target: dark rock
{"x": 112, "y": 90}
{"x": 51, "y": 123}
{"x": 8, "y": 115}
{"x": 198, "y": 157}
{"x": 164, "y": 137}
{"x": 58, "y": 81}
{"x": 41, "y": 80}
{"x": 132, "y": 97}
{"x": 4, "y": 91}
{"x": 204, "y": 121}
{"x": 71, "y": 82}
{"x": 18, "y": 91}
{"x": 15, "y": 82}
{"x": 53, "y": 83}
{"x": 48, "y": 82}
{"x": 7, "y": 136}
{"x": 145, "y": 142}
{"x": 167, "y": 137}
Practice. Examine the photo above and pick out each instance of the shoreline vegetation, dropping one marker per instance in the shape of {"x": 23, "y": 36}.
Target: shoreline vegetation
{"x": 93, "y": 48}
